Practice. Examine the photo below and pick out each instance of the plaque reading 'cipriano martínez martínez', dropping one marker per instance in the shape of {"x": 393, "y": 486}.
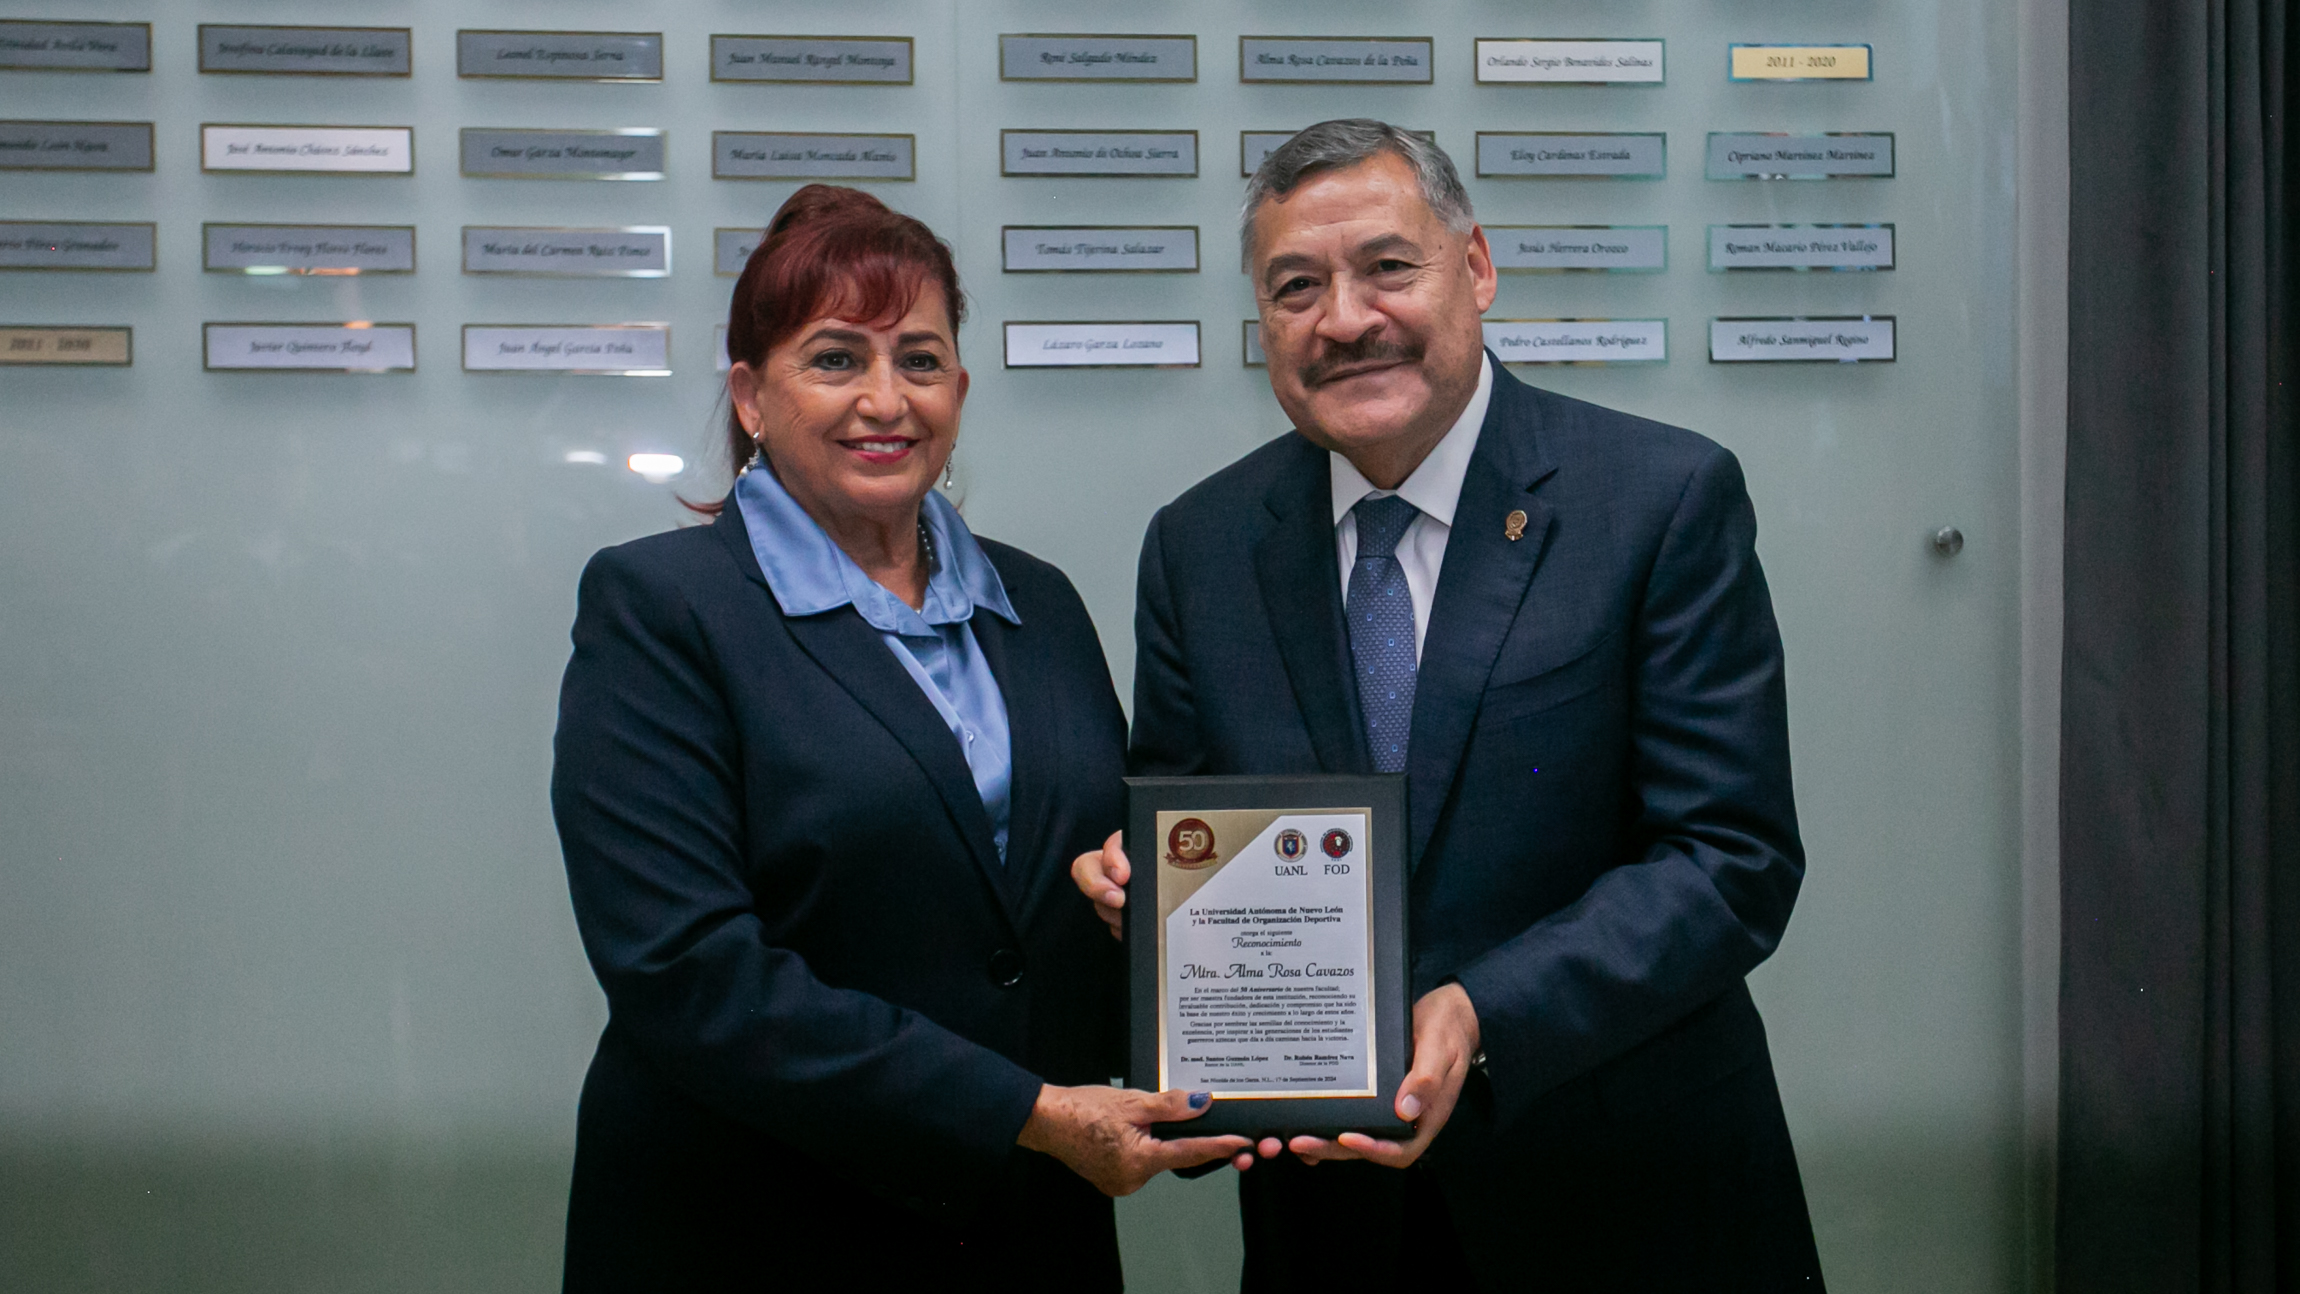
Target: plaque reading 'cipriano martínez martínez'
{"x": 763, "y": 155}
{"x": 1834, "y": 156}
{"x": 306, "y": 51}
{"x": 28, "y": 46}
{"x": 560, "y": 55}
{"x": 77, "y": 245}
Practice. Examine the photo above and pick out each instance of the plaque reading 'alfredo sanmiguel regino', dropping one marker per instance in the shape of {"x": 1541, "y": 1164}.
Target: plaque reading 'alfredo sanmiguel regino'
{"x": 759, "y": 155}
{"x": 78, "y": 245}
{"x": 1851, "y": 339}
{"x": 27, "y": 46}
{"x": 1569, "y": 62}
{"x": 308, "y": 249}
{"x": 560, "y": 55}
{"x": 1800, "y": 247}
{"x": 1578, "y": 341}
{"x": 1525, "y": 249}
{"x": 306, "y": 51}
{"x": 1153, "y": 153}
{"x": 1540, "y": 154}
{"x": 1357, "y": 60}
{"x": 1147, "y": 344}
{"x": 1109, "y": 249}
{"x": 629, "y": 252}
{"x": 75, "y": 146}
{"x": 1097, "y": 58}
{"x": 343, "y": 150}
{"x": 812, "y": 60}
{"x": 1265, "y": 927}
{"x": 630, "y": 153}
{"x": 1834, "y": 156}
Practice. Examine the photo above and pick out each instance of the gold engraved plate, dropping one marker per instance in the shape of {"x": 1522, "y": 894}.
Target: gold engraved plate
{"x": 103, "y": 347}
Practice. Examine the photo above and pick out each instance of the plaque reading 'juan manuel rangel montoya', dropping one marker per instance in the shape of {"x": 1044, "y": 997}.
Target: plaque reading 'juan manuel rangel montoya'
{"x": 1266, "y": 934}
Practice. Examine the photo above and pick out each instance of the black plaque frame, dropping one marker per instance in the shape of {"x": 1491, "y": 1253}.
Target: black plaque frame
{"x": 1319, "y": 1116}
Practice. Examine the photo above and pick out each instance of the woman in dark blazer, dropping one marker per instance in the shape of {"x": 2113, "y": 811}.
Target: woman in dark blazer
{"x": 821, "y": 767}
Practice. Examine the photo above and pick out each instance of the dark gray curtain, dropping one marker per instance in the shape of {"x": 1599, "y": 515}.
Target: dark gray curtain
{"x": 2180, "y": 811}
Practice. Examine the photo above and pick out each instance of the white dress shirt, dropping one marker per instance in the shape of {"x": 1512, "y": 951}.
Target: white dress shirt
{"x": 1433, "y": 489}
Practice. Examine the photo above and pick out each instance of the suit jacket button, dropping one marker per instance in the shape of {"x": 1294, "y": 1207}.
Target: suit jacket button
{"x": 1006, "y": 968}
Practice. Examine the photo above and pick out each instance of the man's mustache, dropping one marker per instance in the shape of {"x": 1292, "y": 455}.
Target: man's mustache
{"x": 1370, "y": 350}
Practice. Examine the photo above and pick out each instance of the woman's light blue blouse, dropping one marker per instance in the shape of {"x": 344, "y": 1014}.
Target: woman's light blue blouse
{"x": 810, "y": 574}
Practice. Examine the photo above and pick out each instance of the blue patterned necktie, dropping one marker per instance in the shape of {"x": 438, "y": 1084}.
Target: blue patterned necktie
{"x": 1381, "y": 615}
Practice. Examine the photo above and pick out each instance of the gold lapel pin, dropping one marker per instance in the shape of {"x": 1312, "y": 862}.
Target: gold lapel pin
{"x": 1513, "y": 526}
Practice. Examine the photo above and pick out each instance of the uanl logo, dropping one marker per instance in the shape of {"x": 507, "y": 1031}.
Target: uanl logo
{"x": 1292, "y": 844}
{"x": 1336, "y": 843}
{"x": 1190, "y": 845}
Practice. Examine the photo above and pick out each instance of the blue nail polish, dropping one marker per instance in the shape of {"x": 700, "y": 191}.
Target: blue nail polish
{"x": 1200, "y": 1100}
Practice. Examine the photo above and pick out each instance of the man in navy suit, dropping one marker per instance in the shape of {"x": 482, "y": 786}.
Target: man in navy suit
{"x": 1550, "y": 616}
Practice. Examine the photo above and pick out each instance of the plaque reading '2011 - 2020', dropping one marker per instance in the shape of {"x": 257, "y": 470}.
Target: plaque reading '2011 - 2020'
{"x": 627, "y": 153}
{"x": 28, "y": 45}
{"x": 67, "y": 346}
{"x": 307, "y": 249}
{"x": 75, "y": 146}
{"x": 1267, "y": 964}
{"x": 306, "y": 51}
{"x": 766, "y": 155}
{"x": 327, "y": 150}
{"x": 559, "y": 55}
{"x": 621, "y": 252}
{"x": 102, "y": 245}
{"x": 1156, "y": 154}
{"x": 812, "y": 60}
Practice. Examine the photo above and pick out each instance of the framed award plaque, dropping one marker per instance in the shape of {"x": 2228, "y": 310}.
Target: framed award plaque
{"x": 1266, "y": 937}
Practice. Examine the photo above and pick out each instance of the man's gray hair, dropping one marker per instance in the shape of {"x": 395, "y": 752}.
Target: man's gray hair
{"x": 1347, "y": 141}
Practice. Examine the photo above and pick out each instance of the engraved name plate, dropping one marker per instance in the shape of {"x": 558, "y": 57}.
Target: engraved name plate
{"x": 78, "y": 245}
{"x": 1569, "y": 62}
{"x": 560, "y": 55}
{"x": 625, "y": 252}
{"x": 1800, "y": 247}
{"x": 1550, "y": 154}
{"x": 1578, "y": 341}
{"x": 1153, "y": 153}
{"x": 731, "y": 249}
{"x": 75, "y": 146}
{"x": 306, "y": 51}
{"x": 629, "y": 153}
{"x": 323, "y": 348}
{"x": 599, "y": 350}
{"x": 719, "y": 345}
{"x": 1254, "y": 356}
{"x": 346, "y": 150}
{"x": 29, "y": 46}
{"x": 1359, "y": 60}
{"x": 812, "y": 60}
{"x": 1797, "y": 63}
{"x": 1620, "y": 249}
{"x": 1838, "y": 155}
{"x": 307, "y": 249}
{"x": 757, "y": 155}
{"x": 1102, "y": 345}
{"x": 1255, "y": 145}
{"x": 101, "y": 347}
{"x": 1851, "y": 339}
{"x": 1109, "y": 249}
{"x": 1028, "y": 57}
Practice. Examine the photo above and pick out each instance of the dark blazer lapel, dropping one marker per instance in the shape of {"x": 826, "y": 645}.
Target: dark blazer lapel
{"x": 845, "y": 646}
{"x": 1479, "y": 591}
{"x": 1030, "y": 729}
{"x": 1302, "y": 592}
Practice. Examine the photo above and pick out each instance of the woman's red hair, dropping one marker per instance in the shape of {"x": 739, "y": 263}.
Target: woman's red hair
{"x": 830, "y": 251}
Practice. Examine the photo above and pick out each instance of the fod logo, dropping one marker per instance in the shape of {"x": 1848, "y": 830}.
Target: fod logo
{"x": 1292, "y": 845}
{"x": 1190, "y": 845}
{"x": 1336, "y": 843}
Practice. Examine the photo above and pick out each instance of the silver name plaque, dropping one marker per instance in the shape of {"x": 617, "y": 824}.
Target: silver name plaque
{"x": 1030, "y": 57}
{"x": 1358, "y": 60}
{"x": 28, "y": 46}
{"x": 1851, "y": 339}
{"x": 1569, "y": 62}
{"x": 629, "y": 153}
{"x": 1102, "y": 345}
{"x": 1255, "y": 357}
{"x": 560, "y": 55}
{"x": 1578, "y": 341}
{"x": 307, "y": 249}
{"x": 346, "y": 150}
{"x": 78, "y": 245}
{"x": 602, "y": 350}
{"x": 627, "y": 252}
{"x": 1833, "y": 156}
{"x": 306, "y": 51}
{"x": 731, "y": 249}
{"x": 1551, "y": 154}
{"x": 757, "y": 155}
{"x": 1109, "y": 249}
{"x": 75, "y": 146}
{"x": 320, "y": 348}
{"x": 812, "y": 60}
{"x": 1620, "y": 249}
{"x": 1156, "y": 153}
{"x": 1800, "y": 247}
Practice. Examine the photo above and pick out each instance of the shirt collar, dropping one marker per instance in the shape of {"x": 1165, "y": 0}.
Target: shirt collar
{"x": 810, "y": 574}
{"x": 1435, "y": 486}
